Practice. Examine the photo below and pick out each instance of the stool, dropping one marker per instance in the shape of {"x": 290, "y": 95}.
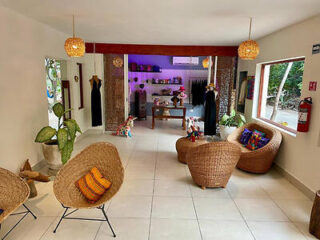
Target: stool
{"x": 183, "y": 144}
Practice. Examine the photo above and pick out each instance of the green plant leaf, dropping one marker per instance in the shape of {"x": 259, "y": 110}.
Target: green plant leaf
{"x": 45, "y": 134}
{"x": 58, "y": 110}
{"x": 233, "y": 113}
{"x": 243, "y": 119}
{"x": 66, "y": 151}
{"x": 62, "y": 137}
{"x": 77, "y": 126}
{"x": 71, "y": 128}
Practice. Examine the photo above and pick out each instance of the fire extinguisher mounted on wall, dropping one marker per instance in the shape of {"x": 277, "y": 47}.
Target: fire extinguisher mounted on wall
{"x": 304, "y": 109}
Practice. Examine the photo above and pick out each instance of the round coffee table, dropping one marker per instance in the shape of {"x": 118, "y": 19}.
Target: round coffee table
{"x": 184, "y": 144}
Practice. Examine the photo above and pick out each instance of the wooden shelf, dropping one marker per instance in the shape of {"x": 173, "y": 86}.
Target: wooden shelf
{"x": 144, "y": 71}
{"x": 167, "y": 84}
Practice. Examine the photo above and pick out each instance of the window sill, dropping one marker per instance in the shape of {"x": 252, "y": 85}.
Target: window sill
{"x": 292, "y": 132}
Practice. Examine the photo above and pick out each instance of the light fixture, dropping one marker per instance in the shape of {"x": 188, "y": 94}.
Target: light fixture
{"x": 205, "y": 62}
{"x": 74, "y": 46}
{"x": 248, "y": 50}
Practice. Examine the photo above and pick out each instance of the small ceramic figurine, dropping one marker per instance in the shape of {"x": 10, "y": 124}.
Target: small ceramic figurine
{"x": 193, "y": 131}
{"x": 175, "y": 100}
{"x": 125, "y": 128}
{"x": 182, "y": 95}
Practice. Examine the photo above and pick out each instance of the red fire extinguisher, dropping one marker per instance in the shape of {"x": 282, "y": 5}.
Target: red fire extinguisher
{"x": 305, "y": 106}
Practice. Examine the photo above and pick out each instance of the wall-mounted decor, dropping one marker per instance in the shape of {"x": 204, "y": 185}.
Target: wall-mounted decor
{"x": 117, "y": 62}
{"x": 250, "y": 87}
{"x": 76, "y": 78}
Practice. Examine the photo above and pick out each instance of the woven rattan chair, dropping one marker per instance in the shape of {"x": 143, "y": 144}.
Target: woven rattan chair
{"x": 260, "y": 160}
{"x": 14, "y": 193}
{"x": 211, "y": 164}
{"x": 106, "y": 158}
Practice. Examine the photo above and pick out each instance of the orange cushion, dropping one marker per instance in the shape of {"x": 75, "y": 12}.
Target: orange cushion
{"x": 93, "y": 185}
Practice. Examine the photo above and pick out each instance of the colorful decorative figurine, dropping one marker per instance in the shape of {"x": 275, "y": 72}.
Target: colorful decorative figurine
{"x": 193, "y": 131}
{"x": 125, "y": 128}
{"x": 182, "y": 95}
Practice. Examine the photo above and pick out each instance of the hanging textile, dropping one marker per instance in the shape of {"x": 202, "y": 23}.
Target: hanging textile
{"x": 210, "y": 114}
{"x": 96, "y": 103}
{"x": 198, "y": 91}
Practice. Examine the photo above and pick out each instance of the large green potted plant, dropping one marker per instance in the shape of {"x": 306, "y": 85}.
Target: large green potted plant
{"x": 229, "y": 123}
{"x": 57, "y": 144}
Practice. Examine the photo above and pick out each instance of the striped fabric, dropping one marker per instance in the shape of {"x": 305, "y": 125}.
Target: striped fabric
{"x": 93, "y": 185}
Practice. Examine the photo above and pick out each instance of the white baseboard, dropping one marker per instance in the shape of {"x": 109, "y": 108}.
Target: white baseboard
{"x": 297, "y": 183}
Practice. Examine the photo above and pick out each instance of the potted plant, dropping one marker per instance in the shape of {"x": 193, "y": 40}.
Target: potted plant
{"x": 229, "y": 123}
{"x": 58, "y": 140}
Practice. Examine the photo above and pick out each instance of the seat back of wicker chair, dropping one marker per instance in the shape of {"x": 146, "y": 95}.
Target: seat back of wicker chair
{"x": 102, "y": 155}
{"x": 273, "y": 134}
{"x": 212, "y": 164}
{"x": 14, "y": 192}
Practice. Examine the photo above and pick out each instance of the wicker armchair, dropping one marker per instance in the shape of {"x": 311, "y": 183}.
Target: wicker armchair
{"x": 106, "y": 158}
{"x": 211, "y": 164}
{"x": 14, "y": 193}
{"x": 260, "y": 160}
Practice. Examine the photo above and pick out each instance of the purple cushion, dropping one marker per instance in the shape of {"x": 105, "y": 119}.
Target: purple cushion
{"x": 245, "y": 136}
{"x": 262, "y": 142}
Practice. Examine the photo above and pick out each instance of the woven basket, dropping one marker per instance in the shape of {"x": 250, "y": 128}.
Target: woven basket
{"x": 102, "y": 155}
{"x": 260, "y": 160}
{"x": 212, "y": 164}
{"x": 14, "y": 192}
{"x": 182, "y": 146}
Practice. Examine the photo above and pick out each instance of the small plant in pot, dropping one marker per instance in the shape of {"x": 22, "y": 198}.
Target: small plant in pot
{"x": 229, "y": 123}
{"x": 57, "y": 144}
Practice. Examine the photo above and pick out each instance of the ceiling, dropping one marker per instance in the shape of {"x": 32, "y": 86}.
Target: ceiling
{"x": 176, "y": 22}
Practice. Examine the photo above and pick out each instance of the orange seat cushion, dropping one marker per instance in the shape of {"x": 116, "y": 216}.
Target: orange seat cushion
{"x": 93, "y": 185}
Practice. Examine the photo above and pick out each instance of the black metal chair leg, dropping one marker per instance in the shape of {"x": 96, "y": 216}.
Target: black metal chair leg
{"x": 65, "y": 211}
{"x": 34, "y": 216}
{"x": 105, "y": 215}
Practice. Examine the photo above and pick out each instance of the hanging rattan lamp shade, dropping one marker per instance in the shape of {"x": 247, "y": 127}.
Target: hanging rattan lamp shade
{"x": 74, "y": 46}
{"x": 205, "y": 63}
{"x": 248, "y": 50}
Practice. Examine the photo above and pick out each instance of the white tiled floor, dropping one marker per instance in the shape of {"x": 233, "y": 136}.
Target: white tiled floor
{"x": 159, "y": 200}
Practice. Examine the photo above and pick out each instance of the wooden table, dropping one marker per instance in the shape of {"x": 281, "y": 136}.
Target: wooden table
{"x": 183, "y": 117}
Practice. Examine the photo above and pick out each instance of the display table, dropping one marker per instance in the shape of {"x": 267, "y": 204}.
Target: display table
{"x": 184, "y": 144}
{"x": 183, "y": 117}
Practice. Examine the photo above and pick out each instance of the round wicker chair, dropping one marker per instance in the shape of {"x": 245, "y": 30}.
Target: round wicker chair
{"x": 260, "y": 160}
{"x": 211, "y": 164}
{"x": 182, "y": 146}
{"x": 102, "y": 155}
{"x": 14, "y": 193}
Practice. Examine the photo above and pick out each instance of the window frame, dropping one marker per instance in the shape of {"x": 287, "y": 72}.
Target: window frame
{"x": 261, "y": 92}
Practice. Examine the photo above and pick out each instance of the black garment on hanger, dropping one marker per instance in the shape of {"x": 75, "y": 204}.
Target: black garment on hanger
{"x": 96, "y": 104}
{"x": 210, "y": 114}
{"x": 198, "y": 90}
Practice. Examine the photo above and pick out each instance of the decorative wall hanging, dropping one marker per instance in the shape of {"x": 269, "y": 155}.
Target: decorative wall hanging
{"x": 250, "y": 87}
{"x": 74, "y": 46}
{"x": 205, "y": 62}
{"x": 117, "y": 62}
{"x": 248, "y": 50}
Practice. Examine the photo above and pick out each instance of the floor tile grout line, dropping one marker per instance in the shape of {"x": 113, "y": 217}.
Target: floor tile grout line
{"x": 48, "y": 228}
{"x": 245, "y": 221}
{"x": 154, "y": 183}
{"x": 194, "y": 206}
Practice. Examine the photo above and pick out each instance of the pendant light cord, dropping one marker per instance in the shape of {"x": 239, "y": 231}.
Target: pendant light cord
{"x": 250, "y": 28}
{"x": 73, "y": 25}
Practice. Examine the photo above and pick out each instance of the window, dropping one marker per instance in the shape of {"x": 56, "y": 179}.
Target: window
{"x": 280, "y": 91}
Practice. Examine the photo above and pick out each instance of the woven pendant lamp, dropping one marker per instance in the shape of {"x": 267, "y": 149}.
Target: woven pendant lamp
{"x": 74, "y": 46}
{"x": 248, "y": 50}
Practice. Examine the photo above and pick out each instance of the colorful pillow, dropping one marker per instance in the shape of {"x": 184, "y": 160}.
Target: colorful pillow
{"x": 262, "y": 134}
{"x": 263, "y": 141}
{"x": 253, "y": 141}
{"x": 245, "y": 136}
{"x": 93, "y": 185}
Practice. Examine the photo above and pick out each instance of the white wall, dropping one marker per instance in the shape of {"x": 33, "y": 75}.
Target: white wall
{"x": 23, "y": 102}
{"x": 299, "y": 155}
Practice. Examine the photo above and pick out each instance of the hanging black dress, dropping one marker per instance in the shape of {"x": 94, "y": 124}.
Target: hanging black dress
{"x": 96, "y": 104}
{"x": 210, "y": 114}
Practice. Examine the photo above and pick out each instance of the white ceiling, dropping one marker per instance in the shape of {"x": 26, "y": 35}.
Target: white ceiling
{"x": 181, "y": 22}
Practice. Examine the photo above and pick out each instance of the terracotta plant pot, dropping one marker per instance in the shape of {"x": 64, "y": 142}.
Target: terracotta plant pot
{"x": 226, "y": 131}
{"x": 52, "y": 155}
